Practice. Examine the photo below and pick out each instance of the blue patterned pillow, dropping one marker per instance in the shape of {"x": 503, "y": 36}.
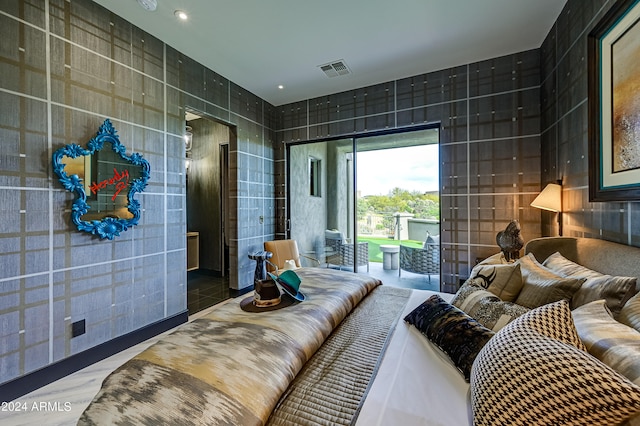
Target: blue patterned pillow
{"x": 456, "y": 333}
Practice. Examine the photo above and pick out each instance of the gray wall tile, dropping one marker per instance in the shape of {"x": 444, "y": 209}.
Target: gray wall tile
{"x": 101, "y": 66}
{"x": 489, "y": 117}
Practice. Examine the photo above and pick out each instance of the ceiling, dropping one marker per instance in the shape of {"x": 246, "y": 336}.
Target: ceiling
{"x": 261, "y": 44}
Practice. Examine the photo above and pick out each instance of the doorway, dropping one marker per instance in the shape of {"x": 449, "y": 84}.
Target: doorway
{"x": 207, "y": 207}
{"x": 350, "y": 196}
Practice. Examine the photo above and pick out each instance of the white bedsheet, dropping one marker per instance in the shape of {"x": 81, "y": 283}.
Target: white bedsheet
{"x": 417, "y": 384}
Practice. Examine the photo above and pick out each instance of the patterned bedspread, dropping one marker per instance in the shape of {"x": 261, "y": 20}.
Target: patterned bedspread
{"x": 231, "y": 366}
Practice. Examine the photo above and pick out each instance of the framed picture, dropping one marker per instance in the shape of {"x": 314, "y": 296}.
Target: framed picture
{"x": 614, "y": 105}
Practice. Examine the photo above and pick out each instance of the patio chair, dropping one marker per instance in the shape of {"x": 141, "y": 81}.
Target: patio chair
{"x": 425, "y": 260}
{"x": 341, "y": 254}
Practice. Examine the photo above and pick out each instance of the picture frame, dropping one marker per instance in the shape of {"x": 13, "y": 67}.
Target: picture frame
{"x": 614, "y": 113}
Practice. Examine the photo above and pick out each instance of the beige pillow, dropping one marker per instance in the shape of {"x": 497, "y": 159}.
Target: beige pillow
{"x": 613, "y": 343}
{"x": 542, "y": 286}
{"x": 630, "y": 313}
{"x": 615, "y": 290}
{"x": 503, "y": 280}
{"x": 495, "y": 259}
{"x": 567, "y": 268}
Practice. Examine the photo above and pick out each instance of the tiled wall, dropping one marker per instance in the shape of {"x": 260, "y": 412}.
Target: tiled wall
{"x": 564, "y": 75}
{"x": 490, "y": 145}
{"x": 65, "y": 66}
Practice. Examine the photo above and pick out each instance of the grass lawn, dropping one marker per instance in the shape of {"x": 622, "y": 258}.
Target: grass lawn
{"x": 375, "y": 255}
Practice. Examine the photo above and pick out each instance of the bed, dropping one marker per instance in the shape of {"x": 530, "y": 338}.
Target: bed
{"x": 347, "y": 355}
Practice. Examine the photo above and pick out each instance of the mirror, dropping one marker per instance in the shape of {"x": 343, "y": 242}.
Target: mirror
{"x": 105, "y": 182}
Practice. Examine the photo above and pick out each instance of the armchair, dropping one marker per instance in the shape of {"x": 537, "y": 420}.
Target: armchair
{"x": 425, "y": 260}
{"x": 341, "y": 254}
{"x": 284, "y": 250}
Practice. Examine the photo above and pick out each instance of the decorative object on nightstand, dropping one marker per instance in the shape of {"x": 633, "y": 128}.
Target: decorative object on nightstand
{"x": 551, "y": 199}
{"x": 510, "y": 241}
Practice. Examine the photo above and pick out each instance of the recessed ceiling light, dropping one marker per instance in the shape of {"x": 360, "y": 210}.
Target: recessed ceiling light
{"x": 181, "y": 15}
{"x": 280, "y": 86}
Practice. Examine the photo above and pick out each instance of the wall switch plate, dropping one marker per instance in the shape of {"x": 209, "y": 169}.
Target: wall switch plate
{"x": 78, "y": 328}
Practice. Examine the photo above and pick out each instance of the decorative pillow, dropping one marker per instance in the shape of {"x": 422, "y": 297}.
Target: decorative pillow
{"x": 630, "y": 313}
{"x": 457, "y": 334}
{"x": 486, "y": 307}
{"x": 615, "y": 290}
{"x": 568, "y": 268}
{"x": 495, "y": 259}
{"x": 542, "y": 286}
{"x": 503, "y": 280}
{"x": 531, "y": 372}
{"x": 431, "y": 241}
{"x": 613, "y": 343}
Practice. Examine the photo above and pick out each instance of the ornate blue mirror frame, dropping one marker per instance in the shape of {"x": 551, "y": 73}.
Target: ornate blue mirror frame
{"x": 100, "y": 185}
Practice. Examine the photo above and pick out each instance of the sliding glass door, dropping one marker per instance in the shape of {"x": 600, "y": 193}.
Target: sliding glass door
{"x": 349, "y": 196}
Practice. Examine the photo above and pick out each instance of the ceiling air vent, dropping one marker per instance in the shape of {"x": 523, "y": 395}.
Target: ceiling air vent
{"x": 335, "y": 68}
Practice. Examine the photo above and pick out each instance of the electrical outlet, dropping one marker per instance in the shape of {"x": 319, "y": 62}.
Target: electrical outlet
{"x": 78, "y": 328}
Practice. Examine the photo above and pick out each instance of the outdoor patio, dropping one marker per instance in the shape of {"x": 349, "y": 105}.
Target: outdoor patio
{"x": 407, "y": 280}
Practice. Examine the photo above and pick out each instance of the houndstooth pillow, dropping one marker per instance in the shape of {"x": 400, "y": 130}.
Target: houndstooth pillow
{"x": 536, "y": 371}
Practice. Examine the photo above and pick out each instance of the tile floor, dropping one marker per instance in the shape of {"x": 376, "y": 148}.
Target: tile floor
{"x": 205, "y": 290}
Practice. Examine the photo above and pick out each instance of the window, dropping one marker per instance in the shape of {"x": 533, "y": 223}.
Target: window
{"x": 315, "y": 177}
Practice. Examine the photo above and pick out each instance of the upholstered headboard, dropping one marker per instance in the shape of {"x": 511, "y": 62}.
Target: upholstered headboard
{"x": 600, "y": 255}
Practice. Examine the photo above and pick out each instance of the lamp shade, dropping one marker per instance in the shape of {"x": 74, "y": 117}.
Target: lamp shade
{"x": 550, "y": 198}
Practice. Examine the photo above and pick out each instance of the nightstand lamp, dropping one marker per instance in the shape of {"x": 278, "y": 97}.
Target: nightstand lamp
{"x": 551, "y": 199}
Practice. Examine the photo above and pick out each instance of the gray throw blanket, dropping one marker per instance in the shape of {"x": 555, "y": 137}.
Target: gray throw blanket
{"x": 331, "y": 387}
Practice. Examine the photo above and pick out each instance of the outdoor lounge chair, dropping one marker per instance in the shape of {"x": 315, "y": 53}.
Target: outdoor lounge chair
{"x": 341, "y": 254}
{"x": 425, "y": 260}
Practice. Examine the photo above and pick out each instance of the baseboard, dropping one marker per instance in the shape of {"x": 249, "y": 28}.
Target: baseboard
{"x": 233, "y": 293}
{"x": 36, "y": 379}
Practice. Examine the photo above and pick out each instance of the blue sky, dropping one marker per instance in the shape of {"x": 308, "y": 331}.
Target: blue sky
{"x": 414, "y": 168}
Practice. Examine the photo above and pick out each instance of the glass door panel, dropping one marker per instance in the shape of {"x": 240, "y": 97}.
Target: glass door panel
{"x": 321, "y": 201}
{"x": 397, "y": 183}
